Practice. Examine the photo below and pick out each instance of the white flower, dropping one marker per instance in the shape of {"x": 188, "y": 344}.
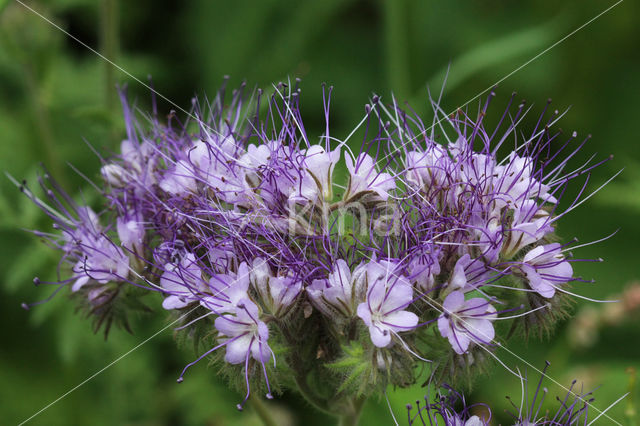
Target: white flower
{"x": 245, "y": 335}
{"x": 364, "y": 177}
{"x": 382, "y": 310}
{"x": 465, "y": 321}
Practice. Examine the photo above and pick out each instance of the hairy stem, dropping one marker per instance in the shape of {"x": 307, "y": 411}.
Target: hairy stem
{"x": 351, "y": 417}
{"x": 262, "y": 411}
{"x": 397, "y": 46}
{"x": 109, "y": 41}
{"x": 40, "y": 110}
{"x": 317, "y": 402}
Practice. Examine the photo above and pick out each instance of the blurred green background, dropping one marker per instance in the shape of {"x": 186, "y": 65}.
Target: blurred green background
{"x": 55, "y": 94}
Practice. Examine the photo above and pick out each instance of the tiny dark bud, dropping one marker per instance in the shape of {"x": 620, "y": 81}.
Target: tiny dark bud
{"x": 180, "y": 380}
{"x": 239, "y": 407}
{"x": 36, "y": 280}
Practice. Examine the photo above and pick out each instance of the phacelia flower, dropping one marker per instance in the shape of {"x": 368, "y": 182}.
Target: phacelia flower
{"x": 383, "y": 311}
{"x": 341, "y": 292}
{"x": 181, "y": 281}
{"x": 364, "y": 177}
{"x": 545, "y": 268}
{"x": 465, "y": 321}
{"x": 233, "y": 219}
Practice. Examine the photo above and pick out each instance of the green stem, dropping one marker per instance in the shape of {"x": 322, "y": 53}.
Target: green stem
{"x": 630, "y": 410}
{"x": 40, "y": 111}
{"x": 318, "y": 403}
{"x": 397, "y": 46}
{"x": 351, "y": 418}
{"x": 109, "y": 42}
{"x": 262, "y": 411}
{"x": 44, "y": 125}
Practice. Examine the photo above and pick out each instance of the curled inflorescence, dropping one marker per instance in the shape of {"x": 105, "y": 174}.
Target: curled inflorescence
{"x": 337, "y": 287}
{"x": 451, "y": 409}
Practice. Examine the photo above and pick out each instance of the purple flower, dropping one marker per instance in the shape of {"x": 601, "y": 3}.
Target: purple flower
{"x": 451, "y": 407}
{"x": 545, "y": 267}
{"x": 245, "y": 335}
{"x": 365, "y": 177}
{"x": 232, "y": 212}
{"x": 131, "y": 233}
{"x": 277, "y": 293}
{"x": 383, "y": 311}
{"x": 424, "y": 270}
{"x": 530, "y": 224}
{"x": 317, "y": 177}
{"x": 103, "y": 262}
{"x": 458, "y": 280}
{"x": 136, "y": 166}
{"x": 426, "y": 170}
{"x": 226, "y": 291}
{"x": 341, "y": 292}
{"x": 466, "y": 321}
{"x": 516, "y": 182}
{"x": 180, "y": 179}
{"x": 182, "y": 282}
{"x": 98, "y": 258}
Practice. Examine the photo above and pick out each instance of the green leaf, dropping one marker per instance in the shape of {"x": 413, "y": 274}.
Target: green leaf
{"x": 489, "y": 55}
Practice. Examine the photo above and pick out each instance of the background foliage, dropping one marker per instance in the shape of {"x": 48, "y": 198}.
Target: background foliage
{"x": 55, "y": 93}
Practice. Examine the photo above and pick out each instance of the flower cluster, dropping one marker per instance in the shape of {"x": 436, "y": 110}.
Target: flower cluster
{"x": 451, "y": 409}
{"x": 234, "y": 217}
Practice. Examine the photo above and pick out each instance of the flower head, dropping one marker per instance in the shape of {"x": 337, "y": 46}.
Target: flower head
{"x": 234, "y": 220}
